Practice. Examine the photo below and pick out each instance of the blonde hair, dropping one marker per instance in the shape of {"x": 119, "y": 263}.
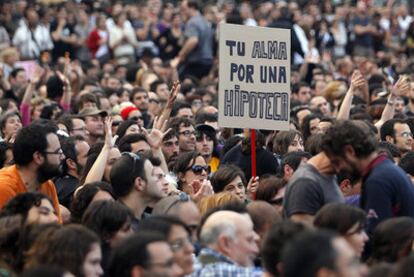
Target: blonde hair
{"x": 216, "y": 200}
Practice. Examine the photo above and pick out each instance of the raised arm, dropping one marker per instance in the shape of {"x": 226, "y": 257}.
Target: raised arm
{"x": 165, "y": 116}
{"x": 357, "y": 81}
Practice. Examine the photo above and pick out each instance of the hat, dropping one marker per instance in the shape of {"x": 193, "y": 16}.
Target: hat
{"x": 92, "y": 112}
{"x": 126, "y": 111}
{"x": 206, "y": 129}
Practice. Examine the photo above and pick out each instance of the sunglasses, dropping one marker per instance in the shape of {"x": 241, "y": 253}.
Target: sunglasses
{"x": 198, "y": 169}
{"x": 116, "y": 123}
{"x": 136, "y": 118}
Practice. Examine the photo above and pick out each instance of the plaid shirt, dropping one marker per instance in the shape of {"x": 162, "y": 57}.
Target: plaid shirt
{"x": 221, "y": 266}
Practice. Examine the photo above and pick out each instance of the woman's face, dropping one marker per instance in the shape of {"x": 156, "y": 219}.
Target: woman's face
{"x": 114, "y": 155}
{"x": 182, "y": 248}
{"x": 37, "y": 111}
{"x": 237, "y": 188}
{"x": 92, "y": 265}
{"x": 194, "y": 173}
{"x": 121, "y": 234}
{"x": 42, "y": 214}
{"x": 296, "y": 144}
{"x": 357, "y": 238}
{"x": 13, "y": 124}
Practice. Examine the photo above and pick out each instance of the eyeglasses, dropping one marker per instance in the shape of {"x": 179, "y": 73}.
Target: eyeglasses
{"x": 136, "y": 118}
{"x": 179, "y": 244}
{"x": 198, "y": 169}
{"x": 188, "y": 133}
{"x": 406, "y": 135}
{"x": 56, "y": 152}
{"x": 79, "y": 129}
{"x": 134, "y": 157}
{"x": 154, "y": 100}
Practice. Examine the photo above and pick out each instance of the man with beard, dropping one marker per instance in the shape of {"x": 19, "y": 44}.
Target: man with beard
{"x": 312, "y": 186}
{"x": 76, "y": 151}
{"x": 170, "y": 148}
{"x": 184, "y": 128}
{"x": 386, "y": 190}
{"x": 139, "y": 97}
{"x": 38, "y": 158}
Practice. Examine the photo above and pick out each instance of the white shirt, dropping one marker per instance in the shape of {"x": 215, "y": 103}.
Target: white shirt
{"x": 30, "y": 49}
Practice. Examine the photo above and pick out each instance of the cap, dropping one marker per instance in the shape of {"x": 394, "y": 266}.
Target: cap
{"x": 92, "y": 112}
{"x": 207, "y": 129}
{"x": 126, "y": 111}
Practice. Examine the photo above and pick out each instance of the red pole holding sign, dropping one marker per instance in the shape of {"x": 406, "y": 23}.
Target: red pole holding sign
{"x": 253, "y": 145}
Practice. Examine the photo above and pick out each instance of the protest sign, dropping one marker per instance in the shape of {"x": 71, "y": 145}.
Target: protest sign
{"x": 254, "y": 77}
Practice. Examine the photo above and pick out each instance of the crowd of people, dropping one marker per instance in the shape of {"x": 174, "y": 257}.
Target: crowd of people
{"x": 113, "y": 162}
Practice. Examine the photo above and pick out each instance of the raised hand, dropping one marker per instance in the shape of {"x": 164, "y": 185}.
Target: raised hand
{"x": 357, "y": 80}
{"x": 109, "y": 140}
{"x": 173, "y": 94}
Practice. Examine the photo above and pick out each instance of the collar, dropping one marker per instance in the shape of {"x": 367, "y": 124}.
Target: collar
{"x": 218, "y": 256}
{"x": 379, "y": 159}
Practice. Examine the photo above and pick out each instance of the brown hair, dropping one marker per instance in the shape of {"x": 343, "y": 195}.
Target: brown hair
{"x": 216, "y": 200}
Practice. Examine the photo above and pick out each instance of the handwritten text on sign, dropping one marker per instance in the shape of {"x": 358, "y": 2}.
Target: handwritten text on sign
{"x": 254, "y": 77}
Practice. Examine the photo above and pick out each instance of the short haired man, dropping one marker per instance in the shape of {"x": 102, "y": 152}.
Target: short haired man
{"x": 170, "y": 148}
{"x": 186, "y": 133}
{"x": 38, "y": 158}
{"x": 94, "y": 123}
{"x": 161, "y": 89}
{"x": 75, "y": 150}
{"x": 407, "y": 164}
{"x": 136, "y": 184}
{"x": 139, "y": 96}
{"x": 141, "y": 254}
{"x": 314, "y": 254}
{"x": 397, "y": 132}
{"x": 386, "y": 190}
{"x": 301, "y": 92}
{"x": 205, "y": 143}
{"x": 230, "y": 245}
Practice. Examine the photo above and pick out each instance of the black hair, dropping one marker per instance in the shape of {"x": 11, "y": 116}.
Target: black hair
{"x": 162, "y": 223}
{"x": 4, "y": 146}
{"x": 407, "y": 163}
{"x": 276, "y": 239}
{"x": 178, "y": 105}
{"x": 183, "y": 163}
{"x": 106, "y": 218}
{"x": 224, "y": 175}
{"x": 387, "y": 129}
{"x": 124, "y": 144}
{"x": 22, "y": 203}
{"x": 354, "y": 133}
{"x": 29, "y": 140}
{"x": 123, "y": 127}
{"x": 135, "y": 248}
{"x": 154, "y": 85}
{"x": 308, "y": 252}
{"x": 84, "y": 197}
{"x": 293, "y": 159}
{"x": 124, "y": 172}
{"x": 340, "y": 217}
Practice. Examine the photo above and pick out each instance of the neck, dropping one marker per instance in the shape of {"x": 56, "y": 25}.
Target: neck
{"x": 93, "y": 139}
{"x": 322, "y": 164}
{"x": 266, "y": 274}
{"x": 207, "y": 158}
{"x": 74, "y": 173}
{"x": 136, "y": 204}
{"x": 364, "y": 162}
{"x": 29, "y": 177}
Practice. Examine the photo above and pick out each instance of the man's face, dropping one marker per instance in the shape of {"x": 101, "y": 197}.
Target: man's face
{"x": 53, "y": 157}
{"x": 154, "y": 184}
{"x": 79, "y": 128}
{"x": 113, "y": 83}
{"x": 94, "y": 125}
{"x": 346, "y": 166}
{"x": 403, "y": 138}
{"x": 347, "y": 261}
{"x": 185, "y": 112}
{"x": 204, "y": 144}
{"x": 140, "y": 146}
{"x": 320, "y": 103}
{"x": 162, "y": 260}
{"x": 162, "y": 92}
{"x": 186, "y": 138}
{"x": 82, "y": 148}
{"x": 304, "y": 95}
{"x": 20, "y": 80}
{"x": 399, "y": 105}
{"x": 170, "y": 148}
{"x": 160, "y": 175}
{"x": 140, "y": 100}
{"x": 245, "y": 247}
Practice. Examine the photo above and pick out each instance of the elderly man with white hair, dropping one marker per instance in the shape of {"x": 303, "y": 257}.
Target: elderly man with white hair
{"x": 230, "y": 246}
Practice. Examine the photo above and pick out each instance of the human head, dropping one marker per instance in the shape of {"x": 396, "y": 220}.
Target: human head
{"x": 177, "y": 235}
{"x": 301, "y": 92}
{"x": 346, "y": 143}
{"x": 407, "y": 163}
{"x": 182, "y": 110}
{"x": 135, "y": 143}
{"x": 230, "y": 178}
{"x": 10, "y": 124}
{"x": 94, "y": 121}
{"x": 211, "y": 202}
{"x": 170, "y": 147}
{"x": 314, "y": 253}
{"x": 397, "y": 132}
{"x": 72, "y": 247}
{"x": 134, "y": 174}
{"x": 161, "y": 89}
{"x": 110, "y": 220}
{"x": 190, "y": 167}
{"x": 88, "y": 194}
{"x": 287, "y": 141}
{"x": 205, "y": 140}
{"x": 139, "y": 97}
{"x": 392, "y": 240}
{"x": 310, "y": 125}
{"x": 279, "y": 235}
{"x": 347, "y": 221}
{"x": 319, "y": 104}
{"x": 128, "y": 127}
{"x": 272, "y": 190}
{"x": 147, "y": 252}
{"x": 34, "y": 207}
{"x": 39, "y": 145}
{"x": 6, "y": 154}
{"x": 291, "y": 161}
{"x": 232, "y": 235}
{"x": 186, "y": 133}
{"x": 75, "y": 150}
